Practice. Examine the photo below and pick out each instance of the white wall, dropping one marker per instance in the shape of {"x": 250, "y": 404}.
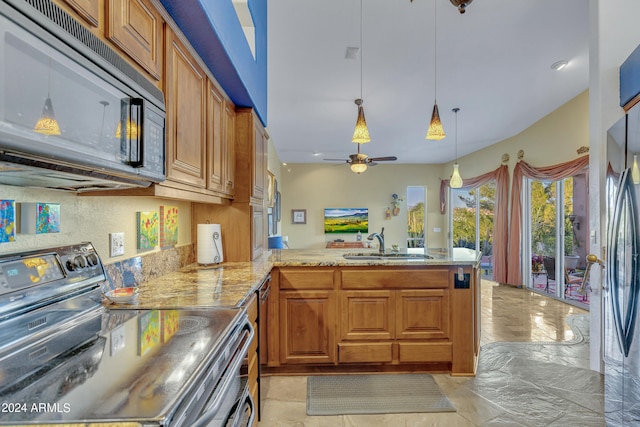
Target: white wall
{"x": 92, "y": 219}
{"x": 315, "y": 187}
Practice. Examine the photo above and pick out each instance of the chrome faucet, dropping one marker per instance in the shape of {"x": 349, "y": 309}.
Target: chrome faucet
{"x": 380, "y": 238}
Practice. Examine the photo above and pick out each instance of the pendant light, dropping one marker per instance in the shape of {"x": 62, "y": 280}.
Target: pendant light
{"x": 360, "y": 133}
{"x": 47, "y": 124}
{"x": 436, "y": 131}
{"x": 456, "y": 179}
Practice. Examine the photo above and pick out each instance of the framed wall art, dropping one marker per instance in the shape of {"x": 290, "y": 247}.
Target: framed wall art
{"x": 298, "y": 216}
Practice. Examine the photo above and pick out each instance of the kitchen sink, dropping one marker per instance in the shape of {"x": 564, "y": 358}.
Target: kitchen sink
{"x": 390, "y": 255}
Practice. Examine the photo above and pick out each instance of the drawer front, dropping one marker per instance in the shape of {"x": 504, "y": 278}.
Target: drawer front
{"x": 395, "y": 279}
{"x": 365, "y": 352}
{"x": 252, "y": 308}
{"x": 411, "y": 352}
{"x": 306, "y": 279}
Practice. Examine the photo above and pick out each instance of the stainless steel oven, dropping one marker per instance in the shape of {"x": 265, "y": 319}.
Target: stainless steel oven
{"x": 65, "y": 359}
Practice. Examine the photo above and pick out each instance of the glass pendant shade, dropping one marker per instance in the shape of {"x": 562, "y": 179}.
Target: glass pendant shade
{"x": 635, "y": 171}
{"x": 358, "y": 167}
{"x": 456, "y": 179}
{"x": 436, "y": 131}
{"x": 47, "y": 124}
{"x": 361, "y": 133}
{"x": 131, "y": 130}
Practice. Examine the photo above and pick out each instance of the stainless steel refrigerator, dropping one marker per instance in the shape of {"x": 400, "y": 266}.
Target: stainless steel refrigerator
{"x": 622, "y": 273}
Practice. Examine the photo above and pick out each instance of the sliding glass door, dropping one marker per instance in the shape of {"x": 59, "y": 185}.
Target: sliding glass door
{"x": 556, "y": 237}
{"x": 471, "y": 222}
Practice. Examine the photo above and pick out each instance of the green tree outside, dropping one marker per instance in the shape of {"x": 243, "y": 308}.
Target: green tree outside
{"x": 464, "y": 219}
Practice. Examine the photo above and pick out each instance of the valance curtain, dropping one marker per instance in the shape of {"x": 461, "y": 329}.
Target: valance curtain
{"x": 500, "y": 214}
{"x": 548, "y": 173}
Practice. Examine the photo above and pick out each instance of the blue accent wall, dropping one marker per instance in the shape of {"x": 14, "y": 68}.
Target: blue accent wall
{"x": 213, "y": 29}
{"x": 630, "y": 77}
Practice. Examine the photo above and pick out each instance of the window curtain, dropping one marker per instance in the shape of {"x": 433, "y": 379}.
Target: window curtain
{"x": 500, "y": 214}
{"x": 523, "y": 169}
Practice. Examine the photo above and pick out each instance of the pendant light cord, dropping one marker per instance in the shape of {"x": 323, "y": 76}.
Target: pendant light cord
{"x": 435, "y": 50}
{"x": 361, "y": 49}
{"x": 455, "y": 110}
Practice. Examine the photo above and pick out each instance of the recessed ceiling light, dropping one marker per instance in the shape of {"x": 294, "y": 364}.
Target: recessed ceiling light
{"x": 352, "y": 52}
{"x": 559, "y": 65}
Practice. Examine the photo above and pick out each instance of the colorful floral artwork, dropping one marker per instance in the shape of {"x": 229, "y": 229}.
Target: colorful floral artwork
{"x": 170, "y": 324}
{"x": 168, "y": 226}
{"x": 7, "y": 221}
{"x": 148, "y": 223}
{"x": 149, "y": 331}
{"x": 47, "y": 218}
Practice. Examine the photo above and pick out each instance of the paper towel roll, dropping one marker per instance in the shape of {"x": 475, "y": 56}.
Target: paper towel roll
{"x": 209, "y": 244}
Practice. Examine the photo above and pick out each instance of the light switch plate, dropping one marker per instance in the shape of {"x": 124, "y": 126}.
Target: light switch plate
{"x": 116, "y": 244}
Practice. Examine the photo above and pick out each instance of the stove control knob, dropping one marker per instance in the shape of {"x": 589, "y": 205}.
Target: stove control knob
{"x": 70, "y": 265}
{"x": 92, "y": 260}
{"x": 80, "y": 261}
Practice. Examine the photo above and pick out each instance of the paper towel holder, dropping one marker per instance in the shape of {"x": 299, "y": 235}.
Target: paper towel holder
{"x": 209, "y": 244}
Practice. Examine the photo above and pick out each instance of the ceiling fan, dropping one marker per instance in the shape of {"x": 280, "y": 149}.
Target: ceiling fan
{"x": 360, "y": 161}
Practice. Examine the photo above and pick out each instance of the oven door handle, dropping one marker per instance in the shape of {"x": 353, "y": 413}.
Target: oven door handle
{"x": 246, "y": 400}
{"x": 217, "y": 401}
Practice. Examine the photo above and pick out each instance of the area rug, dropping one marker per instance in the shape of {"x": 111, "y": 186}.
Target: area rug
{"x": 375, "y": 394}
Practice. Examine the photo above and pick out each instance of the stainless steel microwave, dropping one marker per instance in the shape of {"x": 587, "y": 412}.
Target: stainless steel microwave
{"x": 73, "y": 114}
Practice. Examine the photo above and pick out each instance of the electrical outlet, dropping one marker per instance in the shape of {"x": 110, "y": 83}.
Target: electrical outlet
{"x": 116, "y": 244}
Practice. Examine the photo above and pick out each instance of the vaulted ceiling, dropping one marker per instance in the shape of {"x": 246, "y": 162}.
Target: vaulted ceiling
{"x": 493, "y": 62}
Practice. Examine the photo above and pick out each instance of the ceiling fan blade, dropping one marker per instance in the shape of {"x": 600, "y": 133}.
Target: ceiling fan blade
{"x": 383, "y": 159}
{"x": 336, "y": 160}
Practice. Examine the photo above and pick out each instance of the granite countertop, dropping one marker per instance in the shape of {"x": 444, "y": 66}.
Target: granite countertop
{"x": 223, "y": 285}
{"x": 230, "y": 284}
{"x": 335, "y": 257}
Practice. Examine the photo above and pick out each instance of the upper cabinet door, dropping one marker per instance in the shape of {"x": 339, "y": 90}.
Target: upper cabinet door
{"x": 89, "y": 10}
{"x": 260, "y": 160}
{"x": 135, "y": 26}
{"x": 215, "y": 141}
{"x": 186, "y": 92}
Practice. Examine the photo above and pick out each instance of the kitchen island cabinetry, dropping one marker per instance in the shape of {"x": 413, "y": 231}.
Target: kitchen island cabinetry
{"x": 374, "y": 317}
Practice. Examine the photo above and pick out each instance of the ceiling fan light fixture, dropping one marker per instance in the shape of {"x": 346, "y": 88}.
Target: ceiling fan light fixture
{"x": 461, "y": 5}
{"x": 435, "y": 131}
{"x": 358, "y": 167}
{"x": 361, "y": 133}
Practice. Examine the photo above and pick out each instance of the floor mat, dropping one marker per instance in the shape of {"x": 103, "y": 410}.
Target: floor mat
{"x": 375, "y": 394}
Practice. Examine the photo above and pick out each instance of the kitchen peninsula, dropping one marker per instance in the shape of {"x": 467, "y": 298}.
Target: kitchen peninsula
{"x": 341, "y": 311}
{"x": 345, "y": 311}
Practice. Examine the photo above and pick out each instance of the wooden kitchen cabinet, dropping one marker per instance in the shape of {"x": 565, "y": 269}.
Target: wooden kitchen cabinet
{"x": 229, "y": 153}
{"x": 307, "y": 333}
{"x": 251, "y": 157}
{"x": 186, "y": 125}
{"x": 88, "y": 10}
{"x": 388, "y": 318}
{"x": 136, "y": 26}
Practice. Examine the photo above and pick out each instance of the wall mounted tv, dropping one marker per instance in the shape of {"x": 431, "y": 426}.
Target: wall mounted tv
{"x": 346, "y": 220}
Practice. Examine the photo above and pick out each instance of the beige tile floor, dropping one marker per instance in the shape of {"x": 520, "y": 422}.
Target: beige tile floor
{"x": 508, "y": 314}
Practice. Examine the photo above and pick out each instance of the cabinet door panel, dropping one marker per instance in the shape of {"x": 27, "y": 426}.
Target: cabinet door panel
{"x": 367, "y": 315}
{"x": 136, "y": 27}
{"x": 258, "y": 232}
{"x": 89, "y": 10}
{"x": 215, "y": 122}
{"x": 186, "y": 124}
{"x": 229, "y": 149}
{"x": 422, "y": 314}
{"x": 307, "y": 327}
